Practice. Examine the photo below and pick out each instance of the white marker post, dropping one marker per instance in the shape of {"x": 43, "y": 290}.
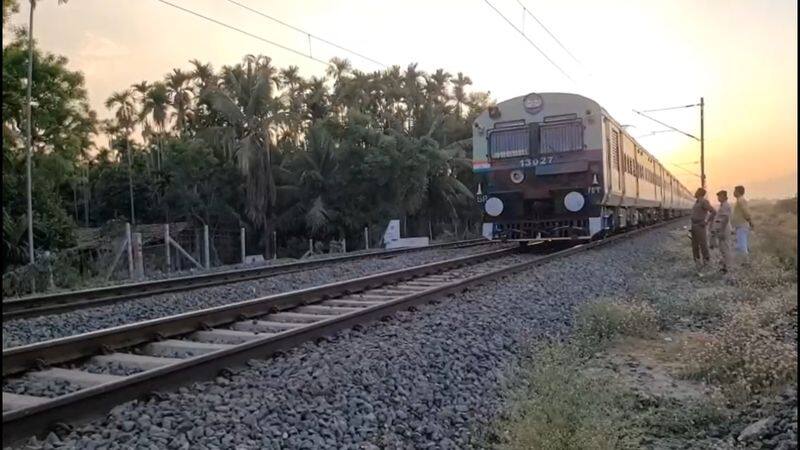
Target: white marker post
{"x": 206, "y": 252}
{"x": 130, "y": 249}
{"x": 166, "y": 247}
{"x": 138, "y": 259}
{"x": 242, "y": 244}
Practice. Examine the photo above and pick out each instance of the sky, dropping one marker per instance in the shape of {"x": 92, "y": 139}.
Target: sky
{"x": 740, "y": 55}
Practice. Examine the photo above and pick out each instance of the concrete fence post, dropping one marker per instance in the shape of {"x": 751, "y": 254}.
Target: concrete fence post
{"x": 166, "y": 247}
{"x": 311, "y": 246}
{"x": 138, "y": 259}
{"x": 274, "y": 245}
{"x": 366, "y": 238}
{"x": 242, "y": 242}
{"x": 206, "y": 252}
{"x": 344, "y": 245}
{"x": 130, "y": 249}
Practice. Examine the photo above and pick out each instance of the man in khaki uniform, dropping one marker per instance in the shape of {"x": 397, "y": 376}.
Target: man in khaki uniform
{"x": 722, "y": 230}
{"x": 702, "y": 214}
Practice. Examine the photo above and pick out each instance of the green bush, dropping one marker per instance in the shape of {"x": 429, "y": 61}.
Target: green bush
{"x": 599, "y": 323}
{"x": 565, "y": 409}
{"x": 750, "y": 353}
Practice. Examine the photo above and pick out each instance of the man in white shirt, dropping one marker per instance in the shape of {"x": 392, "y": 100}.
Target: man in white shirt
{"x": 722, "y": 229}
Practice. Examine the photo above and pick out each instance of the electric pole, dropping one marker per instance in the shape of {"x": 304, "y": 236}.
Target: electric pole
{"x": 701, "y": 139}
{"x": 702, "y": 148}
{"x": 28, "y": 138}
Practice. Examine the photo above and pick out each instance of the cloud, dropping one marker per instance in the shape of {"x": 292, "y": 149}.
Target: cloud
{"x": 99, "y": 47}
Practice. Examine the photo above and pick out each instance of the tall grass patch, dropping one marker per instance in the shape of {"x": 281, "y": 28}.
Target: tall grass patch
{"x": 599, "y": 324}
{"x": 565, "y": 409}
{"x": 752, "y": 351}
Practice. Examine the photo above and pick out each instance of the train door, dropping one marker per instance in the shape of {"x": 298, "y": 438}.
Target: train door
{"x": 616, "y": 158}
{"x": 637, "y": 173}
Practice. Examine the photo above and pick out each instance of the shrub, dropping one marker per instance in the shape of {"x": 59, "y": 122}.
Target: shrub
{"x": 565, "y": 409}
{"x": 777, "y": 238}
{"x": 750, "y": 353}
{"x": 599, "y": 323}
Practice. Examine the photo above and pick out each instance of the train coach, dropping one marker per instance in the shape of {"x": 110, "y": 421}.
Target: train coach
{"x": 556, "y": 166}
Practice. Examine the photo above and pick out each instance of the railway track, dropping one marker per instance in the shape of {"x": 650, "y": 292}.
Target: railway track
{"x": 106, "y": 367}
{"x": 71, "y": 300}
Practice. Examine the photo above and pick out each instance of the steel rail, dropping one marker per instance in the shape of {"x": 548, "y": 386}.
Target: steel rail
{"x": 70, "y": 300}
{"x": 85, "y": 403}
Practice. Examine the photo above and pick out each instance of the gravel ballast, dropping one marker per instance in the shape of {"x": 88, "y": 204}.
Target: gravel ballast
{"x": 29, "y": 330}
{"x": 428, "y": 379}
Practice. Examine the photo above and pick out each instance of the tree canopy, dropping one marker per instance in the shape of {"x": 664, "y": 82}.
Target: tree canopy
{"x": 248, "y": 144}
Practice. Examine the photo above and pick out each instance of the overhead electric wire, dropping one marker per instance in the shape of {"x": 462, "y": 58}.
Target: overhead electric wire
{"x": 528, "y": 11}
{"x": 267, "y": 16}
{"x": 664, "y": 124}
{"x": 686, "y": 170}
{"x": 529, "y": 41}
{"x": 672, "y": 107}
{"x": 243, "y": 32}
{"x": 655, "y": 132}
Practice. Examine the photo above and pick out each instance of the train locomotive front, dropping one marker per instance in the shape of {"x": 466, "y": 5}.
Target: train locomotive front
{"x": 556, "y": 166}
{"x": 540, "y": 157}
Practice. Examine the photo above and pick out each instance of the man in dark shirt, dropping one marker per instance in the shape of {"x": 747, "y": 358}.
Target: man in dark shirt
{"x": 702, "y": 214}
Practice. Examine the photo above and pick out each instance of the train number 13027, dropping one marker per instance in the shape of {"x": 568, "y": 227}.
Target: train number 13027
{"x": 533, "y": 162}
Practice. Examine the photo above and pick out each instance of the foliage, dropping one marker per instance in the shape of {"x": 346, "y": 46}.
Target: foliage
{"x": 61, "y": 132}
{"x": 749, "y": 354}
{"x": 9, "y": 7}
{"x": 247, "y": 144}
{"x": 563, "y": 408}
{"x": 599, "y": 323}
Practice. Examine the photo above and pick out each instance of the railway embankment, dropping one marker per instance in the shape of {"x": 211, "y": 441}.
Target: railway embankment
{"x": 436, "y": 377}
{"x": 24, "y": 331}
{"x": 678, "y": 361}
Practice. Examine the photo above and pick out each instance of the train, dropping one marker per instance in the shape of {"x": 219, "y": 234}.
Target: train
{"x": 557, "y": 166}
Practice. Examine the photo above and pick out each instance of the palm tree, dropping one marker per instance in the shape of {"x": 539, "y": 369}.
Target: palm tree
{"x": 125, "y": 115}
{"x": 412, "y": 94}
{"x": 293, "y": 98}
{"x": 436, "y": 85}
{"x": 459, "y": 94}
{"x": 154, "y": 106}
{"x": 203, "y": 74}
{"x": 339, "y": 69}
{"x": 245, "y": 102}
{"x": 179, "y": 92}
{"x": 309, "y": 185}
{"x": 317, "y": 99}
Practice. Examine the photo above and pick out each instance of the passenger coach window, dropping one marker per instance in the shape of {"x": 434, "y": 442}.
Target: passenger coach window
{"x": 508, "y": 143}
{"x": 565, "y": 137}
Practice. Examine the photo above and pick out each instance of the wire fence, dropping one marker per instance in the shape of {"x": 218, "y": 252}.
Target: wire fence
{"x": 118, "y": 253}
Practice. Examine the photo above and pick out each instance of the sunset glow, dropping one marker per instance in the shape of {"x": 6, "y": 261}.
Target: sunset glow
{"x": 741, "y": 56}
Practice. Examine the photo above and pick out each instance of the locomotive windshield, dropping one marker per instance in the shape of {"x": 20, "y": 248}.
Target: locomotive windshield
{"x": 508, "y": 143}
{"x": 563, "y": 137}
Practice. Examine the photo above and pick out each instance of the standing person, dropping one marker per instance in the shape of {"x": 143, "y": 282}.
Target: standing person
{"x": 741, "y": 221}
{"x": 722, "y": 229}
{"x": 702, "y": 214}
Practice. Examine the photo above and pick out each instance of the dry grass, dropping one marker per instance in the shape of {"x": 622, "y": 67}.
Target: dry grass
{"x": 747, "y": 347}
{"x": 564, "y": 409}
{"x": 750, "y": 353}
{"x": 600, "y": 323}
{"x": 753, "y": 351}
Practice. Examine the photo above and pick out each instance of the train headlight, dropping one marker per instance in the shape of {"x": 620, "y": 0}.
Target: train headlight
{"x": 533, "y": 103}
{"x": 494, "y": 112}
{"x": 574, "y": 201}
{"x": 517, "y": 176}
{"x": 493, "y": 206}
